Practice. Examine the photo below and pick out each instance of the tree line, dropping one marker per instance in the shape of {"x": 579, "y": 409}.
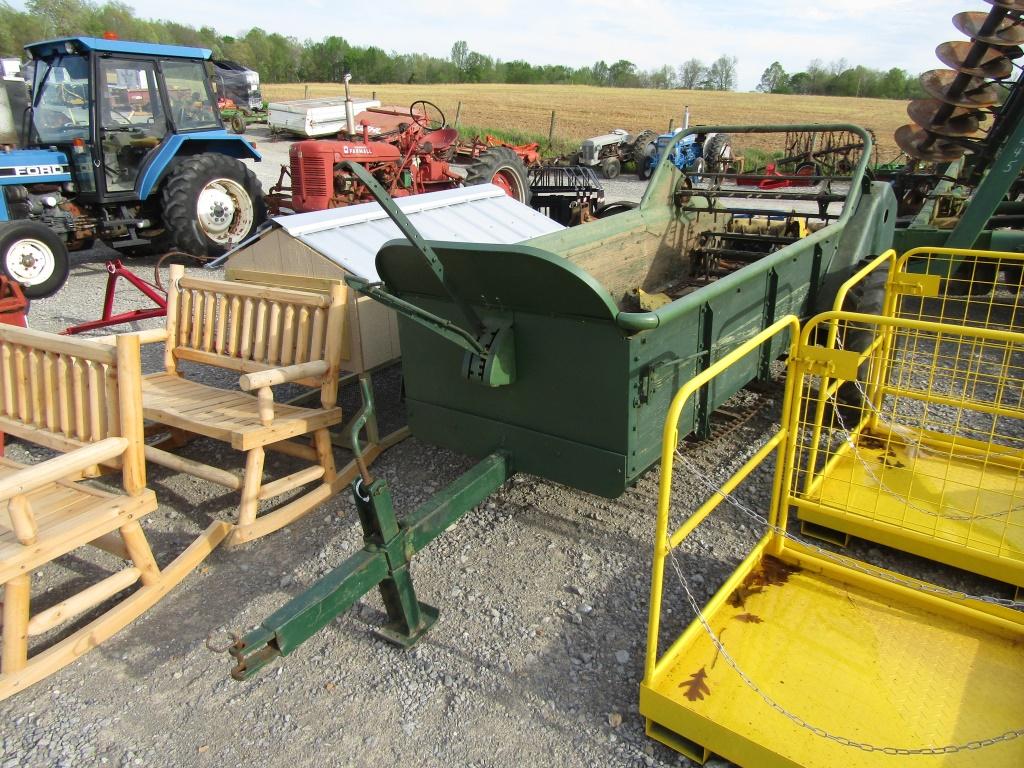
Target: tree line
{"x": 838, "y": 78}
{"x": 281, "y": 59}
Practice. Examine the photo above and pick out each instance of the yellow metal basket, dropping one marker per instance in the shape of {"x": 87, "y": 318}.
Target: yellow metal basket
{"x": 806, "y": 657}
{"x": 910, "y": 428}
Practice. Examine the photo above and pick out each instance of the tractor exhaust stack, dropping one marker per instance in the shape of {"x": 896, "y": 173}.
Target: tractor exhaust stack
{"x": 350, "y": 115}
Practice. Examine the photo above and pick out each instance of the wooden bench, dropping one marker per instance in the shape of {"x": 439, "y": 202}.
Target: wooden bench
{"x": 370, "y": 343}
{"x": 269, "y": 336}
{"x": 83, "y": 399}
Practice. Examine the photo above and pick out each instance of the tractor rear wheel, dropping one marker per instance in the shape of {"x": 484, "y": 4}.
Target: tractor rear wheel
{"x": 717, "y": 152}
{"x": 33, "y": 256}
{"x": 643, "y": 150}
{"x": 503, "y": 168}
{"x": 867, "y": 298}
{"x": 211, "y": 202}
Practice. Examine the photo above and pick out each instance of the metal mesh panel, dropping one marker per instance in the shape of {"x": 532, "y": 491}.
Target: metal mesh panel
{"x": 910, "y": 429}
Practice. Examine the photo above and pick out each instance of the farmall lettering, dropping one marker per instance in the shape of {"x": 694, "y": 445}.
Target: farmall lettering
{"x": 348, "y": 149}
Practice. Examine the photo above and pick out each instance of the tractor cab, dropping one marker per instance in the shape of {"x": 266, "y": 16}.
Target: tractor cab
{"x": 111, "y": 106}
{"x": 121, "y": 142}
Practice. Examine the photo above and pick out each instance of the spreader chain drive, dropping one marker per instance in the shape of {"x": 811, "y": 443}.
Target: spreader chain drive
{"x": 496, "y": 366}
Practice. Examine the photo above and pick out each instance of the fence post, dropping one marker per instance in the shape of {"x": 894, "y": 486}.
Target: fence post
{"x": 671, "y": 124}
{"x": 305, "y": 95}
{"x": 551, "y": 130}
{"x": 458, "y": 111}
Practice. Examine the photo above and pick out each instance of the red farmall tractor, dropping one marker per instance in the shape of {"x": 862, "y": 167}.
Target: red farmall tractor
{"x": 414, "y": 156}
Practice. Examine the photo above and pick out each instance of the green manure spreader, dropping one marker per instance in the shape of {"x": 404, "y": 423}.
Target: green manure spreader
{"x": 559, "y": 356}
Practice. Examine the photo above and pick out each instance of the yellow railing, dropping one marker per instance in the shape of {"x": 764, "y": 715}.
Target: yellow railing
{"x": 664, "y": 542}
{"x": 959, "y": 286}
{"x": 888, "y": 259}
{"x": 925, "y": 462}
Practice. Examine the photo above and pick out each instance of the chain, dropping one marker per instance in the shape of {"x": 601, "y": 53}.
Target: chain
{"x": 847, "y": 562}
{"x": 910, "y": 440}
{"x": 851, "y": 441}
{"x": 817, "y": 730}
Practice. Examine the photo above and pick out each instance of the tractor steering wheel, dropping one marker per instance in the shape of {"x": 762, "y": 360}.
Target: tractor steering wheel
{"x": 424, "y": 120}
{"x": 120, "y": 120}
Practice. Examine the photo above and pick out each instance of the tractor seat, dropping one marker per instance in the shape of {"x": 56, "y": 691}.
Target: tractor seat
{"x": 441, "y": 139}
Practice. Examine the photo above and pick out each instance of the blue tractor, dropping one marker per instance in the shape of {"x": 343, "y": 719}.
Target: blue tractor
{"x": 121, "y": 142}
{"x": 694, "y": 154}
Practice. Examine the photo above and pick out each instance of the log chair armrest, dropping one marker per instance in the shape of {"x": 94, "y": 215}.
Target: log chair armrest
{"x": 274, "y": 376}
{"x": 148, "y": 336}
{"x": 36, "y": 476}
{"x": 262, "y": 381}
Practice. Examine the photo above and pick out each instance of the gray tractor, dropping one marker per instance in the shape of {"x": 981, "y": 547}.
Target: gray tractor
{"x": 612, "y": 151}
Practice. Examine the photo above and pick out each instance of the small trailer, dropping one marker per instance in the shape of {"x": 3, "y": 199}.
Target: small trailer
{"x": 314, "y": 117}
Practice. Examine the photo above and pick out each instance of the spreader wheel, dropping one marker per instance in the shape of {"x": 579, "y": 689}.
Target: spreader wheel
{"x": 605, "y": 210}
{"x": 867, "y": 298}
{"x": 503, "y": 168}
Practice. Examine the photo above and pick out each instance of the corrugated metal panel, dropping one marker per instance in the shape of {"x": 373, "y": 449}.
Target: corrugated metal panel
{"x": 352, "y": 236}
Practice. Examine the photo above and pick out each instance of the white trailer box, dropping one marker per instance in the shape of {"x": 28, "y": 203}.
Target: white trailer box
{"x": 314, "y": 117}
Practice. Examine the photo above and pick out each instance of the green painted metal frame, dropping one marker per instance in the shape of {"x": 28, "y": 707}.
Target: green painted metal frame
{"x": 602, "y": 437}
{"x": 568, "y": 330}
{"x": 389, "y": 547}
{"x": 1002, "y": 172}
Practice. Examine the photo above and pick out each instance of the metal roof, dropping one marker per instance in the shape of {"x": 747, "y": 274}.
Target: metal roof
{"x": 46, "y": 48}
{"x": 352, "y": 236}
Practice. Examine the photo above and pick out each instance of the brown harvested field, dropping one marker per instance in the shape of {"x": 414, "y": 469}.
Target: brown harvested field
{"x": 586, "y": 111}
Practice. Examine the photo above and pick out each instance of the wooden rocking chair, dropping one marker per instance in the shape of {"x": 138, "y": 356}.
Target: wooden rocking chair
{"x": 270, "y": 336}
{"x": 84, "y": 398}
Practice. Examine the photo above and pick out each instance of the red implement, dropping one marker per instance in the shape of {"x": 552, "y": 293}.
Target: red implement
{"x": 13, "y": 304}
{"x": 116, "y": 269}
{"x": 783, "y": 180}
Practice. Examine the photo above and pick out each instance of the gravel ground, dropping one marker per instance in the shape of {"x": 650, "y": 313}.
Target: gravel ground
{"x": 536, "y": 658}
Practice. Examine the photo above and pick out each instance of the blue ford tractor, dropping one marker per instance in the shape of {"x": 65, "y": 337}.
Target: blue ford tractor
{"x": 694, "y": 154}
{"x": 121, "y": 142}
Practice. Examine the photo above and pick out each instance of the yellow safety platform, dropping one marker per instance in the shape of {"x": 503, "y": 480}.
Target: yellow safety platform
{"x": 805, "y": 657}
{"x": 929, "y": 461}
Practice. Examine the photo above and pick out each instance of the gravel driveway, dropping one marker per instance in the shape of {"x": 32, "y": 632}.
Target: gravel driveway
{"x": 536, "y": 659}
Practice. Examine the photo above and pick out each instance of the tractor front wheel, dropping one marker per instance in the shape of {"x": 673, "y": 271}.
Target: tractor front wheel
{"x": 503, "y": 168}
{"x": 211, "y": 202}
{"x": 610, "y": 167}
{"x": 33, "y": 256}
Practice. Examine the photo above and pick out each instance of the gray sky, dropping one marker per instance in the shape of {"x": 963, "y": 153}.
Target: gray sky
{"x": 876, "y": 33}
